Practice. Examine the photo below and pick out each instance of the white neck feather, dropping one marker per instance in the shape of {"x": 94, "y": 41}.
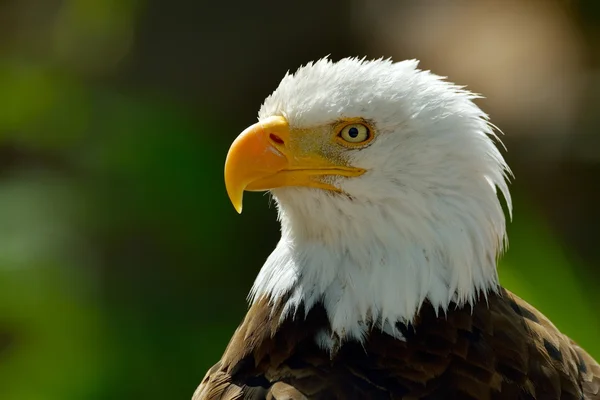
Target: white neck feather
{"x": 373, "y": 265}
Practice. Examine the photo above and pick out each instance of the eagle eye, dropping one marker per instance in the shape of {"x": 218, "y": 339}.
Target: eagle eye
{"x": 355, "y": 133}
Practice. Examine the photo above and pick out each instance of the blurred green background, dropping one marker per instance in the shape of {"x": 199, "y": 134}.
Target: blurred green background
{"x": 123, "y": 267}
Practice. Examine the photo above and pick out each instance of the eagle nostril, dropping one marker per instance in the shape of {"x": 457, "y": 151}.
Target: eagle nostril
{"x": 276, "y": 139}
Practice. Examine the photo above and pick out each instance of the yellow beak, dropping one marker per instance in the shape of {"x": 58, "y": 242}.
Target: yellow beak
{"x": 268, "y": 155}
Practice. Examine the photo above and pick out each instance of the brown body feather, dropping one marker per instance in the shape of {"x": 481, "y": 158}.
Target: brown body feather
{"x": 501, "y": 348}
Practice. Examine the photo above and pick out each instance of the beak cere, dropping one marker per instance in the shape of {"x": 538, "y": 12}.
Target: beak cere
{"x": 254, "y": 155}
{"x": 268, "y": 155}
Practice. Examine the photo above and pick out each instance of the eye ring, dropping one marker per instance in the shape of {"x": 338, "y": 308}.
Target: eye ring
{"x": 355, "y": 133}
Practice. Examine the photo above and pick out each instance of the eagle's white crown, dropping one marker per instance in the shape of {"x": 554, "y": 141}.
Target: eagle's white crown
{"x": 424, "y": 222}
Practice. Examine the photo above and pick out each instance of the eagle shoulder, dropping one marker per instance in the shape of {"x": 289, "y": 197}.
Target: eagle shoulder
{"x": 241, "y": 373}
{"x": 501, "y": 348}
{"x": 556, "y": 357}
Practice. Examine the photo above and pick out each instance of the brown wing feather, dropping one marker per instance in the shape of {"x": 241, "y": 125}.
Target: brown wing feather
{"x": 501, "y": 349}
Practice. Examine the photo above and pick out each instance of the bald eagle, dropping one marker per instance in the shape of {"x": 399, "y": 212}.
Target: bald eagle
{"x": 384, "y": 282}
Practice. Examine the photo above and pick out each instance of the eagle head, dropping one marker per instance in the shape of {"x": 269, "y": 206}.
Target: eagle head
{"x": 385, "y": 179}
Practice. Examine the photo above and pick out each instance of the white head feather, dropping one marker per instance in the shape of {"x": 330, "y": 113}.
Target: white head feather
{"x": 423, "y": 223}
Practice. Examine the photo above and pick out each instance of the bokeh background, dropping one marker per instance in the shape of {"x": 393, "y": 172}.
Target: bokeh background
{"x": 124, "y": 268}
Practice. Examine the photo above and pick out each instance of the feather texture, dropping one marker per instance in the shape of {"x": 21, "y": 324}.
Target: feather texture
{"x": 501, "y": 349}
